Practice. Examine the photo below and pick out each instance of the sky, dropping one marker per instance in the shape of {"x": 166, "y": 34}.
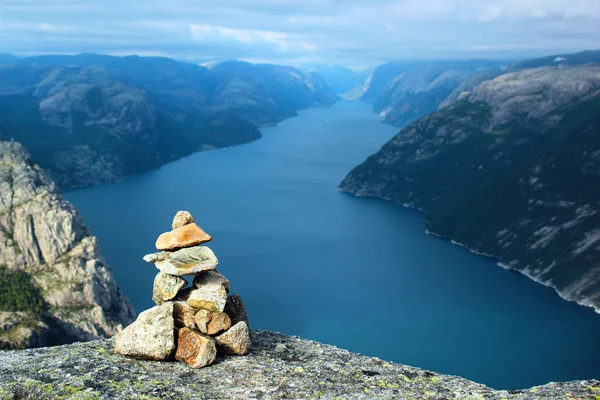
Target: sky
{"x": 355, "y": 33}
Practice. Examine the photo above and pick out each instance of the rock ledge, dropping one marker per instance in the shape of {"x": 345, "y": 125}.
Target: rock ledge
{"x": 279, "y": 366}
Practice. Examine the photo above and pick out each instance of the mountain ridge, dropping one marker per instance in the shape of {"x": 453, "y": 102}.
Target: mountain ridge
{"x": 402, "y": 92}
{"x": 506, "y": 171}
{"x": 104, "y": 118}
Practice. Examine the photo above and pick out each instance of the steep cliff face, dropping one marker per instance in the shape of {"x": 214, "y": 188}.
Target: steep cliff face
{"x": 278, "y": 367}
{"x": 403, "y": 92}
{"x": 66, "y": 291}
{"x": 508, "y": 170}
{"x": 93, "y": 119}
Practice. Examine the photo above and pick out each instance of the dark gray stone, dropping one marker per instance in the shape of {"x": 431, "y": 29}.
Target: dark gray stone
{"x": 234, "y": 307}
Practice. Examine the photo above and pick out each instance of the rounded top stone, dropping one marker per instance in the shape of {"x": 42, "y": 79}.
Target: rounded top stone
{"x": 182, "y": 218}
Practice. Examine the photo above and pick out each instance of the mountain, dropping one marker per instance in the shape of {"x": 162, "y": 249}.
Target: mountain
{"x": 574, "y": 59}
{"x": 558, "y": 60}
{"x": 402, "y": 92}
{"x": 56, "y": 286}
{"x": 278, "y": 367}
{"x": 509, "y": 170}
{"x": 383, "y": 75}
{"x": 264, "y": 93}
{"x": 92, "y": 119}
{"x": 341, "y": 79}
{"x": 8, "y": 58}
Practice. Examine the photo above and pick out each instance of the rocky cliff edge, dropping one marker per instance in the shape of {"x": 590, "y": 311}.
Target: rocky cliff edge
{"x": 278, "y": 366}
{"x": 56, "y": 286}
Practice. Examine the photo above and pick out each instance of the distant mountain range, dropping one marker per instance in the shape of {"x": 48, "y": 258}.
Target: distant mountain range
{"x": 344, "y": 81}
{"x": 508, "y": 167}
{"x": 402, "y": 92}
{"x": 92, "y": 119}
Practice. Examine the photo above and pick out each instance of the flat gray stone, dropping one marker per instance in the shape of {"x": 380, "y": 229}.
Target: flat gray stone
{"x": 184, "y": 262}
{"x": 151, "y": 336}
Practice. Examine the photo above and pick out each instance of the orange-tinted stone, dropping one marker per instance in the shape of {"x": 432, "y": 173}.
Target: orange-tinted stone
{"x": 195, "y": 349}
{"x": 186, "y": 236}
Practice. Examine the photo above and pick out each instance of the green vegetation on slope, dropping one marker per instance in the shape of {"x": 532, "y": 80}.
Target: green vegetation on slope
{"x": 19, "y": 293}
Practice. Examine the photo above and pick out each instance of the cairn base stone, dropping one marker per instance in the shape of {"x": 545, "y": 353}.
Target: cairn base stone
{"x": 195, "y": 349}
{"x": 186, "y": 236}
{"x": 236, "y": 341}
{"x": 166, "y": 287}
{"x": 151, "y": 336}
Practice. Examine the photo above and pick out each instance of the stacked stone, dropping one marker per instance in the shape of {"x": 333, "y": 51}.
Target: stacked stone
{"x": 193, "y": 323}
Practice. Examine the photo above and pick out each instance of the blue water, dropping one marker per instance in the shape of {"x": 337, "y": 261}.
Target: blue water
{"x": 354, "y": 272}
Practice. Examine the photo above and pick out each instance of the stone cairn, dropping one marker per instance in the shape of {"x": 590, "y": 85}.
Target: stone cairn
{"x": 193, "y": 323}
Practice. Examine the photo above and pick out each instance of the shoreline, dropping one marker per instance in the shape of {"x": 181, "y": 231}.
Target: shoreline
{"x": 201, "y": 149}
{"x": 582, "y": 302}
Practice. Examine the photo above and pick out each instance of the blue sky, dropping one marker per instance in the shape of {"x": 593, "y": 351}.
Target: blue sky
{"x": 350, "y": 32}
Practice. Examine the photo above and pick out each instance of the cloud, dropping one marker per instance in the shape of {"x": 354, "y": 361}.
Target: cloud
{"x": 353, "y": 32}
{"x": 283, "y": 41}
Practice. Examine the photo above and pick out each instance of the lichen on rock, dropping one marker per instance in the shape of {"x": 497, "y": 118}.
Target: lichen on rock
{"x": 151, "y": 336}
{"x": 303, "y": 369}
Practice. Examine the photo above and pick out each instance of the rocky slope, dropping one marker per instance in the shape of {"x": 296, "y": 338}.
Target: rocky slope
{"x": 404, "y": 91}
{"x": 557, "y": 60}
{"x": 508, "y": 170}
{"x": 56, "y": 286}
{"x": 93, "y": 119}
{"x": 278, "y": 367}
